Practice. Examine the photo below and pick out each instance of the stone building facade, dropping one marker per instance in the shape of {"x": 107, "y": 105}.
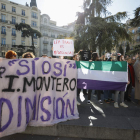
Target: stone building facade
{"x": 10, "y": 14}
{"x": 49, "y": 32}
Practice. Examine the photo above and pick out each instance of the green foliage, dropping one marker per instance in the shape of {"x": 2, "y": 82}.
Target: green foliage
{"x": 102, "y": 32}
{"x": 136, "y": 20}
{"x": 96, "y": 7}
{"x": 81, "y": 18}
{"x": 127, "y": 48}
{"x": 27, "y": 31}
{"x": 121, "y": 50}
{"x": 136, "y": 50}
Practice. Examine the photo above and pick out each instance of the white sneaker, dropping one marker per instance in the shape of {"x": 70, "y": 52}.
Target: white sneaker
{"x": 123, "y": 104}
{"x": 78, "y": 103}
{"x": 116, "y": 105}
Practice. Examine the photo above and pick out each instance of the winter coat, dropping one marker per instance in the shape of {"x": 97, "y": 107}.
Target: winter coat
{"x": 137, "y": 79}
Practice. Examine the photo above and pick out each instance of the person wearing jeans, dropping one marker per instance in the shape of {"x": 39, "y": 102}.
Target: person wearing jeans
{"x": 89, "y": 96}
{"x": 122, "y": 99}
{"x": 99, "y": 92}
{"x": 108, "y": 96}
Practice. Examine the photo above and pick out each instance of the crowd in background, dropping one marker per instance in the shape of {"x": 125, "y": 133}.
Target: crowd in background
{"x": 133, "y": 79}
{"x": 133, "y": 76}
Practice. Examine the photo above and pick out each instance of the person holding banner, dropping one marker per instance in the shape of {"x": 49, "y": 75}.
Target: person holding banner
{"x": 75, "y": 57}
{"x": 121, "y": 92}
{"x": 98, "y": 92}
{"x": 11, "y": 54}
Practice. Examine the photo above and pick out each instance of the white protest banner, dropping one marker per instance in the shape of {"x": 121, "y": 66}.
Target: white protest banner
{"x": 63, "y": 47}
{"x": 38, "y": 92}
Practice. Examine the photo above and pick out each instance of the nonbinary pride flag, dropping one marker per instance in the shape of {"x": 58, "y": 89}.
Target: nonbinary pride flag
{"x": 102, "y": 75}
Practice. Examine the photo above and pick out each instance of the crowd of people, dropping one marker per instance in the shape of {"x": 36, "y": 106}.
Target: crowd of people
{"x": 133, "y": 77}
{"x": 133, "y": 80}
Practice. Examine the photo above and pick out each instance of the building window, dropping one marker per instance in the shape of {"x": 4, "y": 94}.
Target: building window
{"x": 22, "y": 20}
{"x": 23, "y": 43}
{"x": 34, "y": 24}
{"x": 3, "y": 17}
{"x": 13, "y": 32}
{"x": 3, "y": 6}
{"x": 3, "y": 41}
{"x": 13, "y": 42}
{"x": 3, "y": 30}
{"x": 45, "y": 20}
{"x": 34, "y": 15}
{"x": 23, "y": 12}
{"x": 13, "y": 9}
{"x": 13, "y": 20}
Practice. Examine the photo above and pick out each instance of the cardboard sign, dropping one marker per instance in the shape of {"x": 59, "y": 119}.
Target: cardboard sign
{"x": 36, "y": 92}
{"x": 63, "y": 47}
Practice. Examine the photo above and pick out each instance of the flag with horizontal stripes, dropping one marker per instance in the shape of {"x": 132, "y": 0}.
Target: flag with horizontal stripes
{"x": 102, "y": 75}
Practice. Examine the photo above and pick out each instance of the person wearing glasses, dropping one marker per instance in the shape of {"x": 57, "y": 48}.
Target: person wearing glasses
{"x": 28, "y": 55}
{"x": 11, "y": 54}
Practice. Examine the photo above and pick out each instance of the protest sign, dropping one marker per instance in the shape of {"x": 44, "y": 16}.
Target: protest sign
{"x": 36, "y": 92}
{"x": 63, "y": 47}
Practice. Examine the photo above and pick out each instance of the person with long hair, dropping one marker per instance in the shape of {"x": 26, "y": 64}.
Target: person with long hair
{"x": 11, "y": 54}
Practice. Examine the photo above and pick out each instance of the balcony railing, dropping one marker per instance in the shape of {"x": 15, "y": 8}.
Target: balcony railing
{"x": 2, "y": 20}
{"x": 4, "y": 33}
{"x": 137, "y": 40}
{"x": 12, "y": 22}
{"x": 45, "y": 42}
{"x": 13, "y": 34}
{"x": 4, "y": 45}
{"x": 51, "y": 43}
{"x": 45, "y": 34}
{"x": 34, "y": 17}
